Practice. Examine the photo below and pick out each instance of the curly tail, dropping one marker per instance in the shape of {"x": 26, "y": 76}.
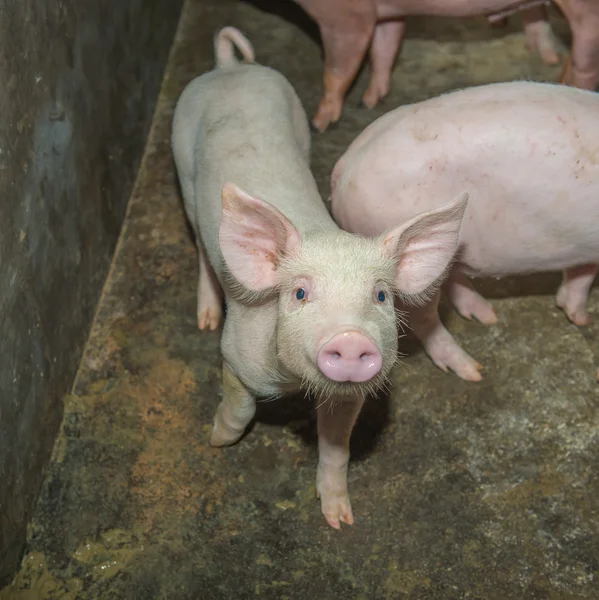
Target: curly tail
{"x": 225, "y": 42}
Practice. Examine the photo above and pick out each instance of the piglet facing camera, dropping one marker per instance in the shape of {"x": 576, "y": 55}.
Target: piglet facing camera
{"x": 309, "y": 306}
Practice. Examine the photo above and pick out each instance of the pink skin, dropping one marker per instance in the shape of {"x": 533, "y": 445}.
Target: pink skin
{"x": 539, "y": 35}
{"x": 527, "y": 154}
{"x": 349, "y": 356}
{"x": 538, "y": 32}
{"x": 350, "y": 28}
{"x": 335, "y": 424}
{"x": 574, "y": 291}
{"x": 294, "y": 283}
{"x": 582, "y": 66}
{"x": 210, "y": 296}
{"x": 251, "y": 236}
{"x": 384, "y": 48}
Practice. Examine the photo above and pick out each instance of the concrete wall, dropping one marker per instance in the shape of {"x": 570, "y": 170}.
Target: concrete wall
{"x": 78, "y": 84}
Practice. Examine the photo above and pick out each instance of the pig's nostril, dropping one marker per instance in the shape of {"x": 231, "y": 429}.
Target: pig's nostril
{"x": 349, "y": 356}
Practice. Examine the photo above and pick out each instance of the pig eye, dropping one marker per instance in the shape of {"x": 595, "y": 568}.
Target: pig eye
{"x": 300, "y": 294}
{"x": 381, "y": 296}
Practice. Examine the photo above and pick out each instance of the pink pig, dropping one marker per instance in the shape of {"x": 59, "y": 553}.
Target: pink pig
{"x": 527, "y": 154}
{"x": 308, "y": 305}
{"x": 350, "y": 27}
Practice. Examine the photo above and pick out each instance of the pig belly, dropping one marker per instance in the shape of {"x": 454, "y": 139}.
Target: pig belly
{"x": 387, "y": 9}
{"x": 510, "y": 243}
{"x": 525, "y": 233}
{"x": 527, "y": 154}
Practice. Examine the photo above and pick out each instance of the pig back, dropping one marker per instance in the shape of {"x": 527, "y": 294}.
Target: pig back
{"x": 527, "y": 154}
{"x": 248, "y": 127}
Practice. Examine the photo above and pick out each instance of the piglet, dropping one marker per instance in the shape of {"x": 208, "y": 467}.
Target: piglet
{"x": 308, "y": 305}
{"x": 528, "y": 154}
{"x": 349, "y": 28}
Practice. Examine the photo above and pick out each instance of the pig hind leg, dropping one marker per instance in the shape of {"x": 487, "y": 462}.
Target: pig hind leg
{"x": 344, "y": 50}
{"x": 336, "y": 420}
{"x": 467, "y": 301}
{"x": 210, "y": 295}
{"x": 235, "y": 411}
{"x": 573, "y": 293}
{"x": 539, "y": 35}
{"x": 439, "y": 344}
{"x": 383, "y": 51}
{"x": 582, "y": 66}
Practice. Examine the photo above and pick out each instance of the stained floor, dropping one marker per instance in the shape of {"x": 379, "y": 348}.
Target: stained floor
{"x": 459, "y": 490}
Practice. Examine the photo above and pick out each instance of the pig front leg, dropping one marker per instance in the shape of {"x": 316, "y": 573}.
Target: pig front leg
{"x": 383, "y": 51}
{"x": 539, "y": 35}
{"x": 573, "y": 293}
{"x": 210, "y": 295}
{"x": 439, "y": 344}
{"x": 235, "y": 411}
{"x": 336, "y": 418}
{"x": 467, "y": 301}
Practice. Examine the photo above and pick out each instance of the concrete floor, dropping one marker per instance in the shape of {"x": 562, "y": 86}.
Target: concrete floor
{"x": 459, "y": 490}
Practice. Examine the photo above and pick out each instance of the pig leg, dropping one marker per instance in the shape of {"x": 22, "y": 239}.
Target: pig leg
{"x": 336, "y": 418}
{"x": 573, "y": 293}
{"x": 209, "y": 293}
{"x": 235, "y": 411}
{"x": 344, "y": 51}
{"x": 581, "y": 68}
{"x": 467, "y": 301}
{"x": 383, "y": 50}
{"x": 439, "y": 344}
{"x": 539, "y": 35}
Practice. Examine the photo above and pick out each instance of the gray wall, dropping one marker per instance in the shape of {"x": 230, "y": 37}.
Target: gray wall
{"x": 78, "y": 84}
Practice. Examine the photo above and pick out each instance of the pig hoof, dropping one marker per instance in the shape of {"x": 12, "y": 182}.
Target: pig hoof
{"x": 319, "y": 126}
{"x": 540, "y": 38}
{"x": 321, "y": 123}
{"x": 327, "y": 115}
{"x": 368, "y": 103}
{"x": 372, "y": 97}
{"x": 337, "y": 510}
{"x": 329, "y": 127}
{"x": 209, "y": 318}
{"x": 462, "y": 365}
{"x": 484, "y": 313}
{"x": 580, "y": 318}
{"x": 577, "y": 315}
{"x": 224, "y": 436}
{"x": 549, "y": 56}
{"x": 331, "y": 488}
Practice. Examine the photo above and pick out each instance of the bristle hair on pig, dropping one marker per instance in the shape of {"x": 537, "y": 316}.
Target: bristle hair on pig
{"x": 527, "y": 152}
{"x": 309, "y": 306}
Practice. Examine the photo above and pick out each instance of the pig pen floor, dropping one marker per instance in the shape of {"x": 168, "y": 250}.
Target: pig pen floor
{"x": 459, "y": 490}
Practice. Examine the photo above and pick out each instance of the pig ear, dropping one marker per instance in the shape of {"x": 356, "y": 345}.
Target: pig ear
{"x": 253, "y": 237}
{"x": 424, "y": 246}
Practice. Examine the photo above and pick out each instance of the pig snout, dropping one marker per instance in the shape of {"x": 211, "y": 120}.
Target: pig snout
{"x": 349, "y": 356}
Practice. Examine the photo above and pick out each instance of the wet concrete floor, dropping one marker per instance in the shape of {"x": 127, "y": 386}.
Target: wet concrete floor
{"x": 459, "y": 490}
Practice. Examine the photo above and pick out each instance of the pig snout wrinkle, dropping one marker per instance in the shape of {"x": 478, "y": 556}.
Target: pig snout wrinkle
{"x": 349, "y": 356}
